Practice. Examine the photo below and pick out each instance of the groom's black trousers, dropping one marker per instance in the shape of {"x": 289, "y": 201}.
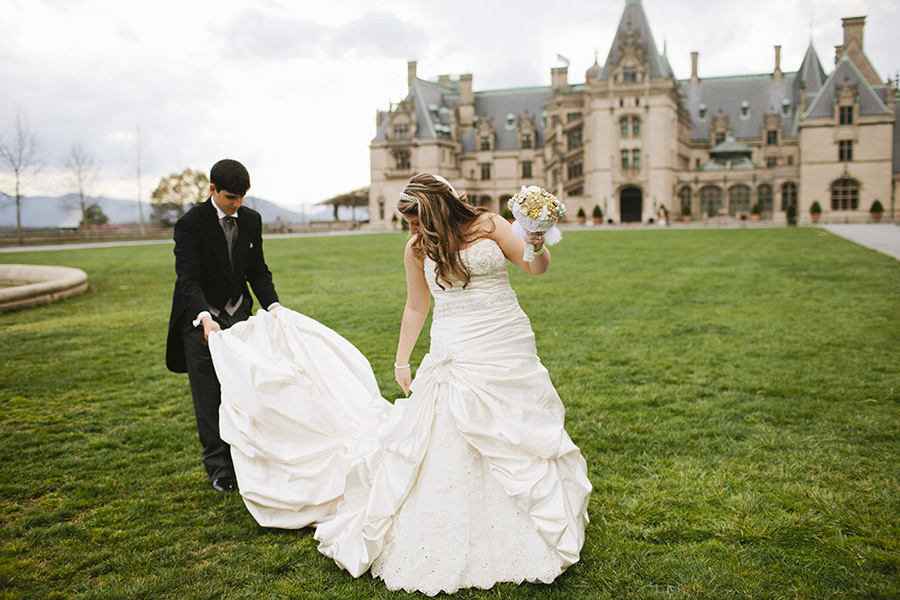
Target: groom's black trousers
{"x": 206, "y": 391}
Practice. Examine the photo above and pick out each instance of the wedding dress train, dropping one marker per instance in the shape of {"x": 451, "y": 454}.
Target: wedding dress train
{"x": 469, "y": 481}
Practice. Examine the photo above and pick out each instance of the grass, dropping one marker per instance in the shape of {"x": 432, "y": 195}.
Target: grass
{"x": 736, "y": 394}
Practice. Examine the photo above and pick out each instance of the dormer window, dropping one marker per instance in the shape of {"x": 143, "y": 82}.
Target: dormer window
{"x": 785, "y": 108}
{"x": 629, "y": 74}
{"x": 526, "y": 140}
{"x": 702, "y": 112}
{"x": 401, "y": 131}
{"x": 745, "y": 110}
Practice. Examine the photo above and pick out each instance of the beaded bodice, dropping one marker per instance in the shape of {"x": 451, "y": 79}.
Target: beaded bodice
{"x": 488, "y": 287}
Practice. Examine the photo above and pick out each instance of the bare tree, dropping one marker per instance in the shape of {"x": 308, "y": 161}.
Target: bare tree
{"x": 135, "y": 163}
{"x": 83, "y": 170}
{"x": 22, "y": 155}
{"x": 138, "y": 166}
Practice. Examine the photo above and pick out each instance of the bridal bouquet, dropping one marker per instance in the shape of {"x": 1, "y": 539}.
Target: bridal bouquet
{"x": 536, "y": 211}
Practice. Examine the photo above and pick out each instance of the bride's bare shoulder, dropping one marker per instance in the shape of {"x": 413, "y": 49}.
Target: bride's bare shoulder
{"x": 485, "y": 225}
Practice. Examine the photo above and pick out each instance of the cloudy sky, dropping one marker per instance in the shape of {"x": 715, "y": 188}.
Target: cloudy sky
{"x": 291, "y": 87}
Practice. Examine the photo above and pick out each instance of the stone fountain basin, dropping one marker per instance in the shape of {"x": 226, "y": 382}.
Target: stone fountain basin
{"x": 29, "y": 285}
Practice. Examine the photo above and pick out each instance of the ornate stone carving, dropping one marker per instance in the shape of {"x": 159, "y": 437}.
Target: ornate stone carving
{"x": 846, "y": 94}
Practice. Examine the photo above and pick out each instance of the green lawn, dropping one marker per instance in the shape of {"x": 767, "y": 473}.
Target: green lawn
{"x": 736, "y": 394}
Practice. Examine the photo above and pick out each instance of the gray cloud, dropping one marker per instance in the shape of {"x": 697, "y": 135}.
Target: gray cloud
{"x": 253, "y": 34}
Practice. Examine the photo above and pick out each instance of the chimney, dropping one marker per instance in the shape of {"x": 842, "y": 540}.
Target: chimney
{"x": 853, "y": 31}
{"x": 444, "y": 80}
{"x": 411, "y": 72}
{"x": 853, "y": 48}
{"x": 777, "y": 76}
{"x": 694, "y": 79}
{"x": 466, "y": 102}
{"x": 559, "y": 79}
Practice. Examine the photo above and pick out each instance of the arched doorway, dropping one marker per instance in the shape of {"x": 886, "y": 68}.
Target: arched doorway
{"x": 631, "y": 204}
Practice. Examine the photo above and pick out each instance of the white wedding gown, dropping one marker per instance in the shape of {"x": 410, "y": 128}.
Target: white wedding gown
{"x": 469, "y": 481}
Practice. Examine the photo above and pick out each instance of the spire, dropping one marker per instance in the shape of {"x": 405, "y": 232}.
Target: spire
{"x": 634, "y": 28}
{"x": 811, "y": 73}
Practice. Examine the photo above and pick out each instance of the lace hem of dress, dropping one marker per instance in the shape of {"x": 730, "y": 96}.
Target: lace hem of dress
{"x": 504, "y": 298}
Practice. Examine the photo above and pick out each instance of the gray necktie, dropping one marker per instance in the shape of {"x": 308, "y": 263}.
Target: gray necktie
{"x": 229, "y": 224}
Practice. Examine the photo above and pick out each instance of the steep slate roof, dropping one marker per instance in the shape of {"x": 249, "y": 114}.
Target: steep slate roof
{"x": 730, "y": 154}
{"x": 500, "y": 104}
{"x": 845, "y": 73}
{"x": 811, "y": 71}
{"x": 433, "y": 103}
{"x": 727, "y": 94}
{"x": 812, "y": 76}
{"x": 633, "y": 17}
{"x": 760, "y": 92}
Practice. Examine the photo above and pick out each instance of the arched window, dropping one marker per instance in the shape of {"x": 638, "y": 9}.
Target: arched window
{"x": 684, "y": 194}
{"x": 710, "y": 200}
{"x": 738, "y": 200}
{"x": 764, "y": 195}
{"x": 788, "y": 194}
{"x": 636, "y": 126}
{"x": 845, "y": 194}
{"x": 623, "y": 125}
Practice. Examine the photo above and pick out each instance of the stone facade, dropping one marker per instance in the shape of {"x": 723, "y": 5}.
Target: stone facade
{"x": 635, "y": 141}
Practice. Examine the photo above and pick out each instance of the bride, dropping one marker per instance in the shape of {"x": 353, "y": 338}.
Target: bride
{"x": 470, "y": 480}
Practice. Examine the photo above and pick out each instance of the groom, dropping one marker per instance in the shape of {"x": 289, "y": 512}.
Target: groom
{"x": 218, "y": 251}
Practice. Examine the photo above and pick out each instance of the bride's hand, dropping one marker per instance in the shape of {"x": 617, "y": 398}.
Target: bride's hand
{"x": 404, "y": 378}
{"x": 536, "y": 240}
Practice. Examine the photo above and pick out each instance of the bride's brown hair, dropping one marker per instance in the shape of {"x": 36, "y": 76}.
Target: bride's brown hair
{"x": 445, "y": 220}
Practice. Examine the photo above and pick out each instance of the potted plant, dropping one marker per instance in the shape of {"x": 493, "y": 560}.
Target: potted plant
{"x": 686, "y": 213}
{"x": 507, "y": 214}
{"x": 791, "y": 213}
{"x": 581, "y": 216}
{"x": 597, "y": 215}
{"x": 754, "y": 212}
{"x": 877, "y": 210}
{"x": 815, "y": 211}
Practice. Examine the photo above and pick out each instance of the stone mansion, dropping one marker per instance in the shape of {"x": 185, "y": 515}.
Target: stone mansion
{"x": 633, "y": 138}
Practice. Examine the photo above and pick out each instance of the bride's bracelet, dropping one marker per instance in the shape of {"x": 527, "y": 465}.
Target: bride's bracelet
{"x": 396, "y": 366}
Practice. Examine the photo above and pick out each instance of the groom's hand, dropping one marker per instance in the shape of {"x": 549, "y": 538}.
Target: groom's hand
{"x": 208, "y": 327}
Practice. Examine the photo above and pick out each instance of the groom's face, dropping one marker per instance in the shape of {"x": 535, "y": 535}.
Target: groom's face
{"x": 225, "y": 200}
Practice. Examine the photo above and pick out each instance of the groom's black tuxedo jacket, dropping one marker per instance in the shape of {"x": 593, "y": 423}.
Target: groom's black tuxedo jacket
{"x": 205, "y": 275}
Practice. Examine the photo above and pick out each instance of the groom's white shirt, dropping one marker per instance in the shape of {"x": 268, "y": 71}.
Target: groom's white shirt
{"x": 231, "y": 306}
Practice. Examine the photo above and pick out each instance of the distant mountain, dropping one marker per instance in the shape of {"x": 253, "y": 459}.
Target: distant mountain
{"x": 41, "y": 211}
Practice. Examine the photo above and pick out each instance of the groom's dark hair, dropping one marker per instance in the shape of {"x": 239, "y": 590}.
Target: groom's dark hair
{"x": 230, "y": 175}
